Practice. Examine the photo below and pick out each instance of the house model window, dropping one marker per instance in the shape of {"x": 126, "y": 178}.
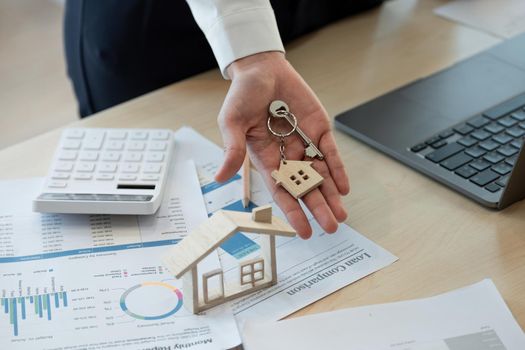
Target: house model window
{"x": 252, "y": 272}
{"x": 183, "y": 259}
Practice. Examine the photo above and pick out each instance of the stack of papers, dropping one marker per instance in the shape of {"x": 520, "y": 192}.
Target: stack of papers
{"x": 97, "y": 282}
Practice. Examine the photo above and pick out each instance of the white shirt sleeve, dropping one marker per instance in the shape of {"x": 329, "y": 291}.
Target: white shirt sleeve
{"x": 237, "y": 28}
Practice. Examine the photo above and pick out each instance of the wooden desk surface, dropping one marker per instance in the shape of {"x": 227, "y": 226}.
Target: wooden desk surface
{"x": 443, "y": 240}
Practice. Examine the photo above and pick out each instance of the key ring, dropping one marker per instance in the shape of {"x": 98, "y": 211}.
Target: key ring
{"x": 280, "y": 134}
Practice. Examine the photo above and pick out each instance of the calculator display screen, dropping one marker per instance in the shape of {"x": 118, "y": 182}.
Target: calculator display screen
{"x": 96, "y": 197}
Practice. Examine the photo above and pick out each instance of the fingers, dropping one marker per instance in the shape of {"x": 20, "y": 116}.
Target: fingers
{"x": 330, "y": 192}
{"x": 234, "y": 139}
{"x": 316, "y": 203}
{"x": 293, "y": 211}
{"x": 333, "y": 199}
{"x": 334, "y": 163}
{"x": 235, "y": 151}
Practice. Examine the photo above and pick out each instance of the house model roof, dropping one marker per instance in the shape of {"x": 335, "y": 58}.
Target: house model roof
{"x": 217, "y": 229}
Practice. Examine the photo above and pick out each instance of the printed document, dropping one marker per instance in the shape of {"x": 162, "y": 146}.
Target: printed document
{"x": 471, "y": 318}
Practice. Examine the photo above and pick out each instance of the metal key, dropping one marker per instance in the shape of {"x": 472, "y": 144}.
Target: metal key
{"x": 279, "y": 109}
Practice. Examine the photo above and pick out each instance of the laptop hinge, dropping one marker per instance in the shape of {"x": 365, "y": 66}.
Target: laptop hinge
{"x": 515, "y": 189}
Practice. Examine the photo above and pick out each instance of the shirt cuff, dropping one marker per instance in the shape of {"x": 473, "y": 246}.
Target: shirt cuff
{"x": 242, "y": 34}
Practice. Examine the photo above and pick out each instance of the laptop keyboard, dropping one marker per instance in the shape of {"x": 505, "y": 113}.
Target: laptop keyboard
{"x": 482, "y": 150}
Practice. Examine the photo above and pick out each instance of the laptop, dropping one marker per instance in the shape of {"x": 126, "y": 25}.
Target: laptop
{"x": 463, "y": 126}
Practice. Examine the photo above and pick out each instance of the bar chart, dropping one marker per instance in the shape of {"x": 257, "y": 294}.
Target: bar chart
{"x": 40, "y": 305}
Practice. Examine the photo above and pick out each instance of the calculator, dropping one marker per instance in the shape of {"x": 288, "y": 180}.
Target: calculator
{"x": 107, "y": 171}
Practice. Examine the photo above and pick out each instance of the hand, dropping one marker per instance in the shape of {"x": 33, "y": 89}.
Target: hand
{"x": 256, "y": 81}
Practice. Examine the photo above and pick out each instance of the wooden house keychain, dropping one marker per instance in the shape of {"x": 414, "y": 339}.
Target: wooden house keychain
{"x": 296, "y": 176}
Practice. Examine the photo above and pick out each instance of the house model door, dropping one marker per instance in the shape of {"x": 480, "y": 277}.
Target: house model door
{"x": 206, "y": 277}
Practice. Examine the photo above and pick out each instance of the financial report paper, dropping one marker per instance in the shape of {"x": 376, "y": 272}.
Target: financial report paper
{"x": 95, "y": 281}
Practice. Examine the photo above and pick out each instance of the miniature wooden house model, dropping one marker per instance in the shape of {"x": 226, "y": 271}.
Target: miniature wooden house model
{"x": 255, "y": 274}
{"x": 297, "y": 177}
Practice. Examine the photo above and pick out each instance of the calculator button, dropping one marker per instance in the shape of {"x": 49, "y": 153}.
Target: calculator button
{"x": 155, "y": 157}
{"x": 105, "y": 177}
{"x": 94, "y": 141}
{"x": 133, "y": 157}
{"x": 111, "y": 157}
{"x": 139, "y": 135}
{"x": 93, "y": 144}
{"x": 71, "y": 144}
{"x": 74, "y": 134}
{"x": 68, "y": 155}
{"x": 88, "y": 156}
{"x": 127, "y": 177}
{"x": 149, "y": 177}
{"x": 60, "y": 176}
{"x": 115, "y": 145}
{"x": 85, "y": 167}
{"x": 117, "y": 135}
{"x": 160, "y": 135}
{"x": 130, "y": 168}
{"x": 152, "y": 168}
{"x": 64, "y": 166}
{"x": 107, "y": 167}
{"x": 95, "y": 134}
{"x": 157, "y": 146}
{"x": 81, "y": 176}
{"x": 57, "y": 184}
{"x": 136, "y": 146}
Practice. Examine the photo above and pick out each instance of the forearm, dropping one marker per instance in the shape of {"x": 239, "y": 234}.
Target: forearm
{"x": 237, "y": 28}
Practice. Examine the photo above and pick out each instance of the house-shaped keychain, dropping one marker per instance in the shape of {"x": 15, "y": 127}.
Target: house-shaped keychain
{"x": 261, "y": 272}
{"x": 297, "y": 177}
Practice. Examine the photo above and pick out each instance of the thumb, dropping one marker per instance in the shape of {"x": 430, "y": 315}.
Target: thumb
{"x": 234, "y": 140}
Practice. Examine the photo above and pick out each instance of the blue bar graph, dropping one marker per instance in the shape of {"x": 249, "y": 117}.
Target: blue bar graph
{"x": 22, "y": 301}
{"x": 39, "y": 305}
{"x": 48, "y": 305}
{"x": 14, "y": 316}
{"x": 15, "y": 307}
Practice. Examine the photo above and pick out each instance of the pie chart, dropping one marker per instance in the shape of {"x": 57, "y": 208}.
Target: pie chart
{"x": 151, "y": 301}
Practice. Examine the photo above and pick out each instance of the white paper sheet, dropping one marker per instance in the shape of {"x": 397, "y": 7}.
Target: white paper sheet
{"x": 95, "y": 281}
{"x": 471, "y": 318}
{"x": 503, "y": 18}
{"x": 307, "y": 269}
